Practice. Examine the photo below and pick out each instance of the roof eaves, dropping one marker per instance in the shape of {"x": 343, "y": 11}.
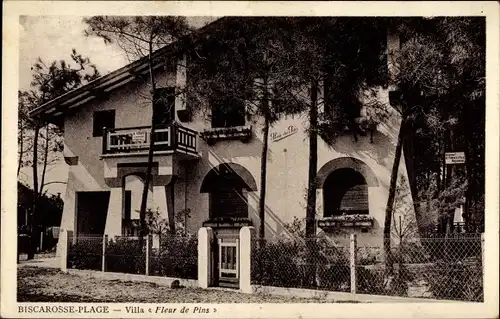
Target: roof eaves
{"x": 128, "y": 70}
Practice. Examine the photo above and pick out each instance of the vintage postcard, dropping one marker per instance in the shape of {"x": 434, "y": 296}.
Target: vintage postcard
{"x": 250, "y": 159}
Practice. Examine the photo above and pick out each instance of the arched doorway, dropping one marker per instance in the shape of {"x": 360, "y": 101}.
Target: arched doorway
{"x": 227, "y": 186}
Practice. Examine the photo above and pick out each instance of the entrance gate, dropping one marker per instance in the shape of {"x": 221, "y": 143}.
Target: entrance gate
{"x": 229, "y": 270}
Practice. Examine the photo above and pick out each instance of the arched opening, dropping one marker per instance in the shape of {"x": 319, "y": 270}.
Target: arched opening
{"x": 226, "y": 184}
{"x": 345, "y": 191}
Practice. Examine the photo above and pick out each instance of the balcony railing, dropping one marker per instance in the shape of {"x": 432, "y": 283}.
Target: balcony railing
{"x": 173, "y": 137}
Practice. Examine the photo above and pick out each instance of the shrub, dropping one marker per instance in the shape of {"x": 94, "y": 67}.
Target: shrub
{"x": 369, "y": 281}
{"x": 300, "y": 264}
{"x": 279, "y": 263}
{"x": 86, "y": 253}
{"x": 335, "y": 277}
{"x": 124, "y": 254}
{"x": 456, "y": 281}
{"x": 176, "y": 257}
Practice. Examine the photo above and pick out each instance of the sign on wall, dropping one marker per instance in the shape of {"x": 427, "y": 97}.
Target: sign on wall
{"x": 454, "y": 158}
{"x": 138, "y": 137}
{"x": 290, "y": 130}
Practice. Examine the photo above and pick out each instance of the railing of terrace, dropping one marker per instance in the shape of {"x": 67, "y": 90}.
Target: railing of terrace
{"x": 137, "y": 139}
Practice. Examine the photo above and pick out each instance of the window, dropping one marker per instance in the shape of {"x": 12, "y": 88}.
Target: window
{"x": 227, "y": 198}
{"x": 228, "y": 202}
{"x": 331, "y": 109}
{"x": 127, "y": 210}
{"x": 345, "y": 192}
{"x": 103, "y": 119}
{"x": 228, "y": 113}
{"x": 164, "y": 105}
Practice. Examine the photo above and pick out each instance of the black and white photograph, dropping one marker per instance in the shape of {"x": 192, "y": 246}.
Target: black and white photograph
{"x": 179, "y": 163}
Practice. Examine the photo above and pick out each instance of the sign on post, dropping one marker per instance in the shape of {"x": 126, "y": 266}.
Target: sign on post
{"x": 454, "y": 158}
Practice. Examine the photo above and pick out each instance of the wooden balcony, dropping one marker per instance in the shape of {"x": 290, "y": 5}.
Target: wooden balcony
{"x": 136, "y": 140}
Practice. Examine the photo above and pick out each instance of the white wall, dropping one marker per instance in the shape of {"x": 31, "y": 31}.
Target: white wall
{"x": 287, "y": 161}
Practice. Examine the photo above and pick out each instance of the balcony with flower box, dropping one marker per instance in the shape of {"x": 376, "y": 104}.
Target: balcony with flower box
{"x": 135, "y": 141}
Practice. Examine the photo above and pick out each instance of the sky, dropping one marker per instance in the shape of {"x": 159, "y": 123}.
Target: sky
{"x": 52, "y": 38}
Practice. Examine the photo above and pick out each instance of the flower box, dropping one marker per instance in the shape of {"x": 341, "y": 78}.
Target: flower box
{"x": 212, "y": 135}
{"x": 227, "y": 222}
{"x": 346, "y": 221}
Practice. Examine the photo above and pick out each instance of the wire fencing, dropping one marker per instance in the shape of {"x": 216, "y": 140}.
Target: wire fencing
{"x": 439, "y": 268}
{"x": 168, "y": 255}
{"x": 175, "y": 257}
{"x": 300, "y": 263}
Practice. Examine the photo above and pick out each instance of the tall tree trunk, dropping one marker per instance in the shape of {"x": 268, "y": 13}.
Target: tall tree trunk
{"x": 21, "y": 147}
{"x": 313, "y": 163}
{"x": 470, "y": 182}
{"x": 45, "y": 159}
{"x": 144, "y": 201}
{"x": 409, "y": 156}
{"x": 263, "y": 163}
{"x": 32, "y": 226}
{"x": 392, "y": 191}
{"x": 438, "y": 170}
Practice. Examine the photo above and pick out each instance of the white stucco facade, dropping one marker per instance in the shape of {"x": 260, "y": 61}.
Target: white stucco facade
{"x": 287, "y": 166}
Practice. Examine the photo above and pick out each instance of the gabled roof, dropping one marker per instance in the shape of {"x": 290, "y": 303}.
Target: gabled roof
{"x": 54, "y": 109}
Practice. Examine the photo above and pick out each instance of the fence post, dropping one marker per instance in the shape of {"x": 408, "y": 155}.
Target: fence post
{"x": 205, "y": 236}
{"x": 353, "y": 251}
{"x": 245, "y": 258}
{"x": 104, "y": 246}
{"x": 149, "y": 240}
{"x": 64, "y": 242}
{"x": 41, "y": 241}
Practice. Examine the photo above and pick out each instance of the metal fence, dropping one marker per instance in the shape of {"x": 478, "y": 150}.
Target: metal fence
{"x": 299, "y": 263}
{"x": 170, "y": 256}
{"x": 175, "y": 257}
{"x": 439, "y": 268}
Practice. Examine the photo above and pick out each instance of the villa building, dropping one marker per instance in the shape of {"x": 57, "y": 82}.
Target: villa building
{"x": 211, "y": 167}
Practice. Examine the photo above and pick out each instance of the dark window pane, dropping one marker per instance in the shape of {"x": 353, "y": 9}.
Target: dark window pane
{"x": 228, "y": 202}
{"x": 128, "y": 205}
{"x": 103, "y": 119}
{"x": 228, "y": 113}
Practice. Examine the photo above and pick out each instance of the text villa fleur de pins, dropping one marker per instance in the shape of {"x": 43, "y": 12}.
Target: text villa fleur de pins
{"x": 276, "y": 136}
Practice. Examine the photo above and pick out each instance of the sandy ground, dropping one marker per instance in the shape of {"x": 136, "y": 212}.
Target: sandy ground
{"x": 51, "y": 285}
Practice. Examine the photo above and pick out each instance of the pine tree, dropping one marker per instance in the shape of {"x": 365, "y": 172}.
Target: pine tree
{"x": 141, "y": 37}
{"x": 48, "y": 82}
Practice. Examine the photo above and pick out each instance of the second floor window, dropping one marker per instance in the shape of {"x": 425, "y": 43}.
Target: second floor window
{"x": 338, "y": 109}
{"x": 103, "y": 119}
{"x": 228, "y": 113}
{"x": 164, "y": 105}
